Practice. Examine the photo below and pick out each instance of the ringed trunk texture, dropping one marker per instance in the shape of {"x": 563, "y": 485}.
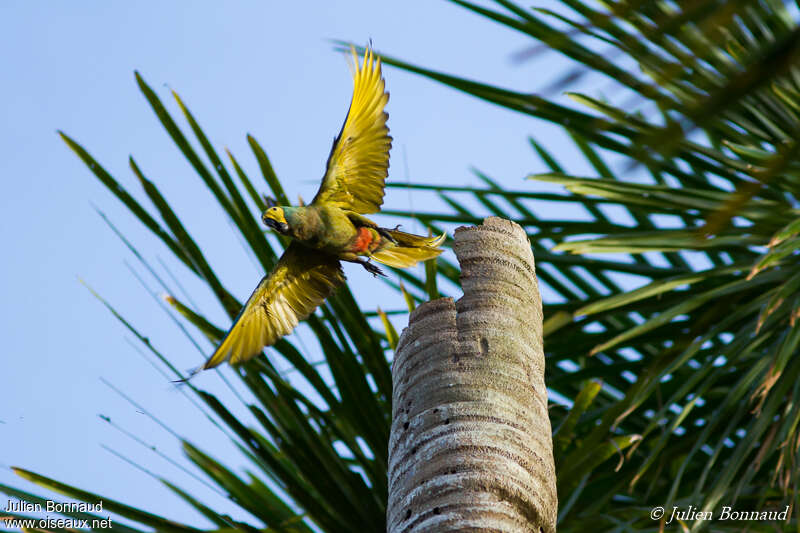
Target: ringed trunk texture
{"x": 471, "y": 446}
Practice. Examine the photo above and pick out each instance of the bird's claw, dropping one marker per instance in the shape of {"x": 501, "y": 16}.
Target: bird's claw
{"x": 372, "y": 269}
{"x": 385, "y": 233}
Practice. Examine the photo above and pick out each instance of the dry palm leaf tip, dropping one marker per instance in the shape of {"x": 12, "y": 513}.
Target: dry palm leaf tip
{"x": 330, "y": 229}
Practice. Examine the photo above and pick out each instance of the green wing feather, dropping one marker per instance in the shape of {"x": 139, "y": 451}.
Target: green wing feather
{"x": 299, "y": 283}
{"x": 359, "y": 161}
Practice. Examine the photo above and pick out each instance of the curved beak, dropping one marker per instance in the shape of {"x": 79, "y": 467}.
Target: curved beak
{"x": 280, "y": 227}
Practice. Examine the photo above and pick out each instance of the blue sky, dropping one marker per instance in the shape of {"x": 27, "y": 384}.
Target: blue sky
{"x": 265, "y": 68}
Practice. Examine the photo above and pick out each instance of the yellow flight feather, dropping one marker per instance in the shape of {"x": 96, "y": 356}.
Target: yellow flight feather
{"x": 301, "y": 281}
{"x": 409, "y": 250}
{"x": 357, "y": 167}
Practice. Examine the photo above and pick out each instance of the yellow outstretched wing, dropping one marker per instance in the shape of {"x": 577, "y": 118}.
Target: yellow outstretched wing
{"x": 300, "y": 282}
{"x": 359, "y": 161}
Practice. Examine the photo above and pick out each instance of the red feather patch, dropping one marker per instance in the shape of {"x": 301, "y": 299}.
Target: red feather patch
{"x": 363, "y": 240}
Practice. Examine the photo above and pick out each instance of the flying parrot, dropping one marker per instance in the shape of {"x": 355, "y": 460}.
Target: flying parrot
{"x": 331, "y": 229}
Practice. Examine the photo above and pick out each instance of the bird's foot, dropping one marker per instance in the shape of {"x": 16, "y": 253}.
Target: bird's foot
{"x": 371, "y": 268}
{"x": 385, "y": 233}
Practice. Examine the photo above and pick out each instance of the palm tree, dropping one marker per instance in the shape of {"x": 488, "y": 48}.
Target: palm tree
{"x": 670, "y": 332}
{"x": 470, "y": 447}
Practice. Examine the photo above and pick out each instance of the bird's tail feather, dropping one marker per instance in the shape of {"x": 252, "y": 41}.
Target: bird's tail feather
{"x": 409, "y": 249}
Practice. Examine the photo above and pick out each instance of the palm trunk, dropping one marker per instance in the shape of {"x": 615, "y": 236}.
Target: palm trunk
{"x": 470, "y": 446}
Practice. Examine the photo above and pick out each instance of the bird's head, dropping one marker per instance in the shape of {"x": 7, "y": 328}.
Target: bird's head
{"x": 275, "y": 218}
